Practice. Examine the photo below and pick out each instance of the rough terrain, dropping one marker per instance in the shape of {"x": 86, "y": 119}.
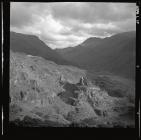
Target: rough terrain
{"x": 43, "y": 93}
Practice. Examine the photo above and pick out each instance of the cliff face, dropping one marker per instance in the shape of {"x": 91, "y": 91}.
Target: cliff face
{"x": 43, "y": 93}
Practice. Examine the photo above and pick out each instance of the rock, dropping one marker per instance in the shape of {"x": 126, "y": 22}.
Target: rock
{"x": 82, "y": 82}
{"x": 83, "y": 111}
{"x": 47, "y": 100}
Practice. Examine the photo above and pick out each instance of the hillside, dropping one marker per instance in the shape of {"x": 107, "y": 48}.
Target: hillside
{"x": 43, "y": 93}
{"x": 32, "y": 45}
{"x": 115, "y": 54}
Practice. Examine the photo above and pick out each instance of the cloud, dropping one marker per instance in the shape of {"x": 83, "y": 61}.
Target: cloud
{"x": 69, "y": 23}
{"x": 94, "y": 12}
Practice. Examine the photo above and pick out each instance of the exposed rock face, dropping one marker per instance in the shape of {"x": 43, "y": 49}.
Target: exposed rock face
{"x": 43, "y": 93}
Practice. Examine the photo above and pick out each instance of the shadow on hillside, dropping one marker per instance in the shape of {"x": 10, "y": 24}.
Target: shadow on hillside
{"x": 115, "y": 87}
{"x": 69, "y": 95}
{"x": 72, "y": 91}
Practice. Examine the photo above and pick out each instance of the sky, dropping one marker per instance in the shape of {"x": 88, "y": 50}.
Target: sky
{"x": 67, "y": 24}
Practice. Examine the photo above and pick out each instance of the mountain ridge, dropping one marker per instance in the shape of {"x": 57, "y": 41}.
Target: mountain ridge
{"x": 32, "y": 45}
{"x": 115, "y": 54}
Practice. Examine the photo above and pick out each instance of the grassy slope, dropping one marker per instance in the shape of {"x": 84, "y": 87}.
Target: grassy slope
{"x": 32, "y": 45}
{"x": 115, "y": 54}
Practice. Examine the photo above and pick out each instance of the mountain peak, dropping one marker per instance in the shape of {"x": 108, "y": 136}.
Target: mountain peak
{"x": 115, "y": 54}
{"x": 92, "y": 39}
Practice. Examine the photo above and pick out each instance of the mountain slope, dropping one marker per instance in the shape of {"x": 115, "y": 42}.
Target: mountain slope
{"x": 43, "y": 93}
{"x": 115, "y": 54}
{"x": 32, "y": 45}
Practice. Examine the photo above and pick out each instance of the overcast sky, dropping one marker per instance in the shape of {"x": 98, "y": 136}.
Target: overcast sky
{"x": 66, "y": 24}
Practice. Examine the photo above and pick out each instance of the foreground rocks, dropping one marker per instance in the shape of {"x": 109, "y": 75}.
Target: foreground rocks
{"x": 43, "y": 93}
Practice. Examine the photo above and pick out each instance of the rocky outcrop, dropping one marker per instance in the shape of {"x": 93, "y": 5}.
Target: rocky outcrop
{"x": 43, "y": 93}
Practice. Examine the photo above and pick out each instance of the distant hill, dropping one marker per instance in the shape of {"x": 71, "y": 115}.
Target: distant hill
{"x": 32, "y": 45}
{"x": 115, "y": 54}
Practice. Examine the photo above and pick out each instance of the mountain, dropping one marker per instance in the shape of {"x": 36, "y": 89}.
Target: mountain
{"x": 45, "y": 94}
{"x": 115, "y": 54}
{"x": 32, "y": 45}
